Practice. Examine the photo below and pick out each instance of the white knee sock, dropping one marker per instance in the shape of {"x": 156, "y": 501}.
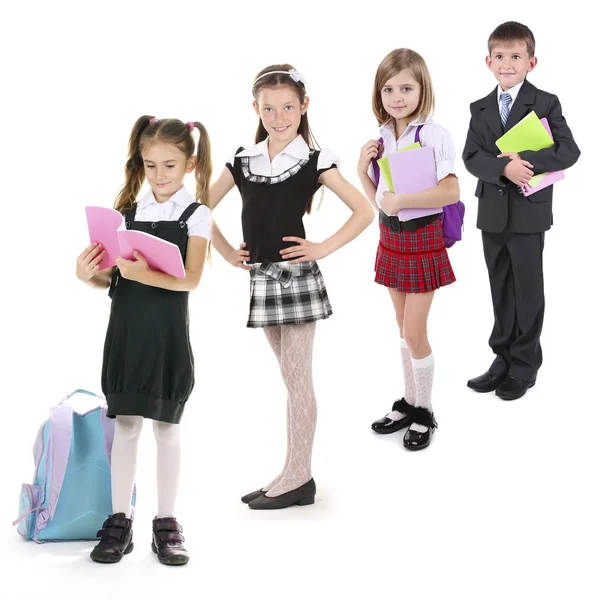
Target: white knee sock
{"x": 124, "y": 462}
{"x": 423, "y": 372}
{"x": 168, "y": 441}
{"x": 408, "y": 379}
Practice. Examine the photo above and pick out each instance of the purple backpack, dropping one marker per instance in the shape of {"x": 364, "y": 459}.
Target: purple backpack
{"x": 452, "y": 214}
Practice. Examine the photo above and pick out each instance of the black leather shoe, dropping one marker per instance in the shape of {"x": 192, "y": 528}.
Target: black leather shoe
{"x": 116, "y": 539}
{"x": 512, "y": 388}
{"x": 167, "y": 542}
{"x": 387, "y": 425}
{"x": 247, "y": 498}
{"x": 302, "y": 496}
{"x": 414, "y": 440}
{"x": 487, "y": 382}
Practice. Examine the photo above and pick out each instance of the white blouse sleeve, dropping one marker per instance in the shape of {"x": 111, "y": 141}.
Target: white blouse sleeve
{"x": 327, "y": 159}
{"x": 444, "y": 150}
{"x": 200, "y": 223}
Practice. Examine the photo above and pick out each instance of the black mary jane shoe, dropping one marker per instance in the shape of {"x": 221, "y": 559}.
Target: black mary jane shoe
{"x": 247, "y": 498}
{"x": 387, "y": 425}
{"x": 116, "y": 539}
{"x": 486, "y": 382}
{"x": 302, "y": 496}
{"x": 414, "y": 440}
{"x": 167, "y": 542}
{"x": 513, "y": 388}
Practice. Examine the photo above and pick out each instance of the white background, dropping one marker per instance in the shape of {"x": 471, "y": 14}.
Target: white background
{"x": 502, "y": 505}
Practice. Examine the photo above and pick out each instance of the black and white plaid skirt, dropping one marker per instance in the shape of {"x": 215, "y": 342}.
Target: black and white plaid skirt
{"x": 286, "y": 294}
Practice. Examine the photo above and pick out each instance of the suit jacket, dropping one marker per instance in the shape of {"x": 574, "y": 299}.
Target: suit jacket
{"x": 500, "y": 205}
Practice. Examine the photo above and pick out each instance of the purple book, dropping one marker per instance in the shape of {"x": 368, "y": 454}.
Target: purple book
{"x": 414, "y": 171}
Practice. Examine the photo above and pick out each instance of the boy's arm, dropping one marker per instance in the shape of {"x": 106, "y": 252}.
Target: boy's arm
{"x": 479, "y": 162}
{"x": 564, "y": 153}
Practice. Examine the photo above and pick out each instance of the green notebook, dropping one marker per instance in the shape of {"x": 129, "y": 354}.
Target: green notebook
{"x": 385, "y": 167}
{"x": 528, "y": 134}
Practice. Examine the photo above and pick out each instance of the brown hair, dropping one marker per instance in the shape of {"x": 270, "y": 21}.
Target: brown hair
{"x": 278, "y": 79}
{"x": 169, "y": 131}
{"x": 511, "y": 32}
{"x": 392, "y": 64}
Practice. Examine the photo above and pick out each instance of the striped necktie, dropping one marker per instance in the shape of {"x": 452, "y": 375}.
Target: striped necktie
{"x": 505, "y": 101}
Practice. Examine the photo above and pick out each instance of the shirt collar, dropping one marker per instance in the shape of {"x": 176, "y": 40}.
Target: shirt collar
{"x": 512, "y": 92}
{"x": 389, "y": 127}
{"x": 182, "y": 198}
{"x": 298, "y": 149}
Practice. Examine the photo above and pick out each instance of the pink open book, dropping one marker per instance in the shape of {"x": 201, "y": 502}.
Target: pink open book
{"x": 107, "y": 227}
{"x": 543, "y": 180}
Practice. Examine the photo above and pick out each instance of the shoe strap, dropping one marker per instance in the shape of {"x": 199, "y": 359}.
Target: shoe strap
{"x": 122, "y": 522}
{"x": 118, "y": 533}
{"x": 167, "y": 525}
{"x": 169, "y": 537}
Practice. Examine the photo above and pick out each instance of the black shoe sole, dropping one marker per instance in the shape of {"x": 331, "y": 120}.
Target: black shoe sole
{"x": 507, "y": 398}
{"x": 109, "y": 558}
{"x": 306, "y": 501}
{"x": 415, "y": 448}
{"x": 171, "y": 561}
{"x": 484, "y": 391}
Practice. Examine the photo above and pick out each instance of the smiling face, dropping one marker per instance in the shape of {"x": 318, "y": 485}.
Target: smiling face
{"x": 280, "y": 110}
{"x": 510, "y": 63}
{"x": 400, "y": 95}
{"x": 165, "y": 168}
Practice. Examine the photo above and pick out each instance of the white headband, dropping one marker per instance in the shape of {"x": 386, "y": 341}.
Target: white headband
{"x": 295, "y": 76}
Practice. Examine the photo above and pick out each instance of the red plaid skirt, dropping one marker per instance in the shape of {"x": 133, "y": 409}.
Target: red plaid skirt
{"x": 413, "y": 261}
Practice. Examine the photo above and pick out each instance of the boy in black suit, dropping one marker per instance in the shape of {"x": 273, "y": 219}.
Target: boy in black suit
{"x": 513, "y": 225}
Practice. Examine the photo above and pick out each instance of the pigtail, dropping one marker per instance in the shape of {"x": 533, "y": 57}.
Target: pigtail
{"x": 134, "y": 171}
{"x": 203, "y": 169}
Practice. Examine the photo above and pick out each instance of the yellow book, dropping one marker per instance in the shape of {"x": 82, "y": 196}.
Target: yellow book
{"x": 528, "y": 134}
{"x": 385, "y": 167}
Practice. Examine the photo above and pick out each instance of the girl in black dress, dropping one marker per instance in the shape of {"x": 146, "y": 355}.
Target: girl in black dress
{"x": 277, "y": 179}
{"x": 148, "y": 361}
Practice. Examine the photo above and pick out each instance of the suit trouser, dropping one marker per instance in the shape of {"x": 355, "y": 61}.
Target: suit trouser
{"x": 514, "y": 262}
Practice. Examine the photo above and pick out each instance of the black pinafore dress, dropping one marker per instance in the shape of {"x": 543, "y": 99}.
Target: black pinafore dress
{"x": 148, "y": 368}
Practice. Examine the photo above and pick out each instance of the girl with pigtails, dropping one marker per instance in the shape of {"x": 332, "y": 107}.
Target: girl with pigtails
{"x": 148, "y": 370}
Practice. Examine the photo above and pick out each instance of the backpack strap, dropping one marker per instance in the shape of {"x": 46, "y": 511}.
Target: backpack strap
{"x": 378, "y": 156}
{"x": 59, "y": 447}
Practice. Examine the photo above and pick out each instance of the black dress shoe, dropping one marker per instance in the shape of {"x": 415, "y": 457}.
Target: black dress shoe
{"x": 167, "y": 542}
{"x": 512, "y": 388}
{"x": 387, "y": 425}
{"x": 302, "y": 496}
{"x": 247, "y": 498}
{"x": 414, "y": 440}
{"x": 116, "y": 539}
{"x": 487, "y": 382}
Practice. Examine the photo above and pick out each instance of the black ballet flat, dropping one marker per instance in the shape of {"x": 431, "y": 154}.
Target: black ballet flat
{"x": 301, "y": 496}
{"x": 386, "y": 425}
{"x": 167, "y": 542}
{"x": 116, "y": 539}
{"x": 414, "y": 440}
{"x": 247, "y": 498}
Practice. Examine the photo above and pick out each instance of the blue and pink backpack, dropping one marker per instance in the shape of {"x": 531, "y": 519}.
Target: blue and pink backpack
{"x": 71, "y": 493}
{"x": 452, "y": 215}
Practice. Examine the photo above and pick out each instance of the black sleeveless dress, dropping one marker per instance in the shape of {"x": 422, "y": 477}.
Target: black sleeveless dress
{"x": 148, "y": 368}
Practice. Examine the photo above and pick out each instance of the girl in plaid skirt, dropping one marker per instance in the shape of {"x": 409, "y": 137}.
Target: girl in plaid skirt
{"x": 277, "y": 179}
{"x": 411, "y": 260}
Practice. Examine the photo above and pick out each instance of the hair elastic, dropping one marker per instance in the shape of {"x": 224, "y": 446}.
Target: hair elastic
{"x": 191, "y": 125}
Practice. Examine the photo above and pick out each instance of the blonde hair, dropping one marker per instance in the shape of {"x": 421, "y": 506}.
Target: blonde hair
{"x": 392, "y": 64}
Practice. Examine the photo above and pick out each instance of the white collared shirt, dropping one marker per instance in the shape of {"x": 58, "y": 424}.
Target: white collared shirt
{"x": 431, "y": 134}
{"x": 199, "y": 223}
{"x": 259, "y": 159}
{"x": 512, "y": 92}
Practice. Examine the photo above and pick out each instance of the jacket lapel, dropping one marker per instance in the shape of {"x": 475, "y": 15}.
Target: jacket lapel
{"x": 525, "y": 98}
{"x": 491, "y": 114}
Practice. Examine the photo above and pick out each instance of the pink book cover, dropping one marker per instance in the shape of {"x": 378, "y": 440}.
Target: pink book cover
{"x": 549, "y": 178}
{"x": 107, "y": 227}
{"x": 413, "y": 171}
